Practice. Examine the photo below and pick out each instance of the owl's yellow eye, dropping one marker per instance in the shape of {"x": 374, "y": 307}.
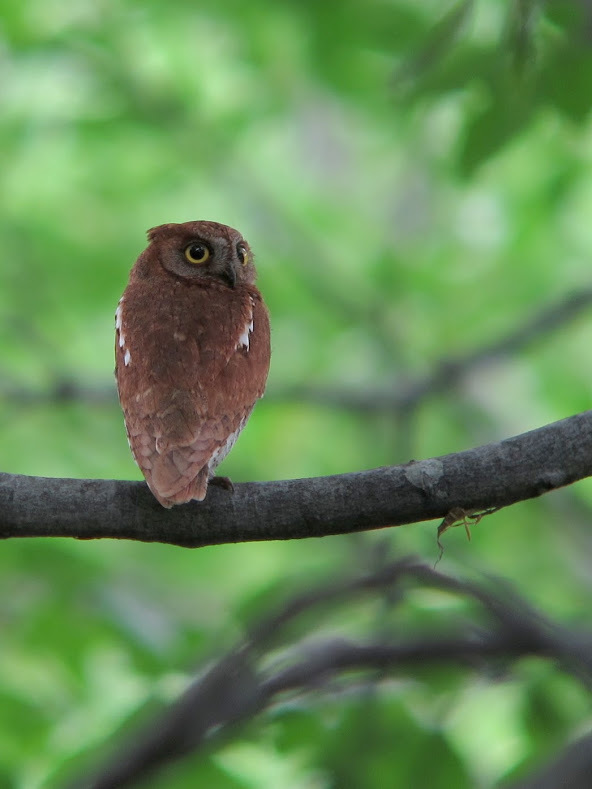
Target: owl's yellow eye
{"x": 243, "y": 255}
{"x": 197, "y": 252}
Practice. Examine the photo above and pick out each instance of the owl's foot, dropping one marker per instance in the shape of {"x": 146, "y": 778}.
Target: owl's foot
{"x": 222, "y": 482}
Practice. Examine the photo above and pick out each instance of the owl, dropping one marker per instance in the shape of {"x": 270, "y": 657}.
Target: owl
{"x": 192, "y": 350}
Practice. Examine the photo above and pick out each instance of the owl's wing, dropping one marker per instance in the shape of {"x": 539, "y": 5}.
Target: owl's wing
{"x": 178, "y": 453}
{"x": 184, "y": 411}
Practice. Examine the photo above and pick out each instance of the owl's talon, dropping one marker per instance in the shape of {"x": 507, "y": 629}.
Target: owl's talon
{"x": 222, "y": 482}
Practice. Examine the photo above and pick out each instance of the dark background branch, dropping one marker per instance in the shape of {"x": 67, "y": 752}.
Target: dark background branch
{"x": 571, "y": 768}
{"x": 447, "y": 372}
{"x": 244, "y": 683}
{"x": 402, "y": 396}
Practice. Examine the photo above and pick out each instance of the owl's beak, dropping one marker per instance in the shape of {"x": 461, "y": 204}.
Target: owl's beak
{"x": 230, "y": 276}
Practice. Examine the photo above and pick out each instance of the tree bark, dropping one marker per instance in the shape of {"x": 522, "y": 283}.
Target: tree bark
{"x": 492, "y": 476}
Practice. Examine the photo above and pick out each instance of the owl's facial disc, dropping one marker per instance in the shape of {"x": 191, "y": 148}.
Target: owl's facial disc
{"x": 216, "y": 258}
{"x": 200, "y": 252}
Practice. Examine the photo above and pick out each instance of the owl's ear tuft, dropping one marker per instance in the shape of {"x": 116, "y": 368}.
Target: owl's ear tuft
{"x": 160, "y": 231}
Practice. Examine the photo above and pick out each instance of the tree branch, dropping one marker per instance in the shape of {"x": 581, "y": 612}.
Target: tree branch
{"x": 244, "y": 682}
{"x": 571, "y": 768}
{"x": 447, "y": 372}
{"x": 494, "y": 475}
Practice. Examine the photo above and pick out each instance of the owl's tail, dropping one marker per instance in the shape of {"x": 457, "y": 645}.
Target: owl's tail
{"x": 195, "y": 490}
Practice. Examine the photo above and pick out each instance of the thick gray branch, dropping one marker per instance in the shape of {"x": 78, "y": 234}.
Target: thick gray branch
{"x": 494, "y": 475}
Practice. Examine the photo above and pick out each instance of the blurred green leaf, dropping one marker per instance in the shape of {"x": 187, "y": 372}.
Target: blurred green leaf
{"x": 415, "y": 181}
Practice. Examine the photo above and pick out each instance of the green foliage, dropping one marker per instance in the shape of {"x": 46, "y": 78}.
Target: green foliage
{"x": 415, "y": 180}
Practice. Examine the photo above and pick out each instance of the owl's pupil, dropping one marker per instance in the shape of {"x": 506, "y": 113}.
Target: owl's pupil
{"x": 197, "y": 251}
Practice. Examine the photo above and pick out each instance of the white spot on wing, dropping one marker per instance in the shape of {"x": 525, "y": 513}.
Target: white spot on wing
{"x": 118, "y": 315}
{"x": 119, "y": 329}
{"x": 243, "y": 340}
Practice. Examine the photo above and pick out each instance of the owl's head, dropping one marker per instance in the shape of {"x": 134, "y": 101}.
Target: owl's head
{"x": 199, "y": 251}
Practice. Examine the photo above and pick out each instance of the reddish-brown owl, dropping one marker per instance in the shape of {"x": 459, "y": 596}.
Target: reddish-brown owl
{"x": 191, "y": 354}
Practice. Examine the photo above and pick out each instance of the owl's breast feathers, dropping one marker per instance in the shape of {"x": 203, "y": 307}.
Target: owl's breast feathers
{"x": 191, "y": 361}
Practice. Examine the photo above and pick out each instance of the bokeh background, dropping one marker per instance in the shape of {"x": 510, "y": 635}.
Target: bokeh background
{"x": 415, "y": 177}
